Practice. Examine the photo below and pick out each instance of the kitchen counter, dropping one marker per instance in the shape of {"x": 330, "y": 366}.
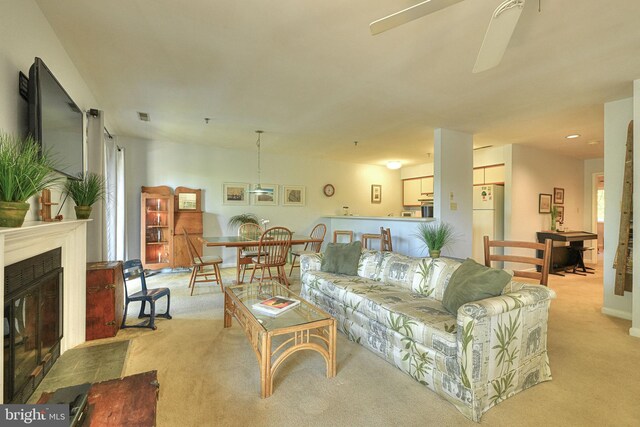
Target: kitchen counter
{"x": 381, "y": 218}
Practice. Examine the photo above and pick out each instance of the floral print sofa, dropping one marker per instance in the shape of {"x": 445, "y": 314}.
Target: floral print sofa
{"x": 493, "y": 349}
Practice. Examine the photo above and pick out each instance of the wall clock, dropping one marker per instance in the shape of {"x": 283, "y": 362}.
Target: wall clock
{"x": 329, "y": 190}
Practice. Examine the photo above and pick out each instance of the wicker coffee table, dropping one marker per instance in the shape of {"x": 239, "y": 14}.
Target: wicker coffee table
{"x": 304, "y": 327}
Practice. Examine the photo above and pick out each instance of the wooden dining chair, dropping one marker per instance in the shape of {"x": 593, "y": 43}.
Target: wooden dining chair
{"x": 205, "y": 269}
{"x": 273, "y": 249}
{"x": 385, "y": 244}
{"x": 245, "y": 255}
{"x": 367, "y": 238}
{"x": 542, "y": 261}
{"x": 318, "y": 232}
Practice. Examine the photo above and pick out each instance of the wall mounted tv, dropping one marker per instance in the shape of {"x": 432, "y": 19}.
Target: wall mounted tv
{"x": 55, "y": 120}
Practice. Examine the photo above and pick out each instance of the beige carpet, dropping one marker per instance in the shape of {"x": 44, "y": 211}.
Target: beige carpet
{"x": 209, "y": 375}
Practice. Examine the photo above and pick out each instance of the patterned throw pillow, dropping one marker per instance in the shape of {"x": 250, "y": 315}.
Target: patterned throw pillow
{"x": 341, "y": 258}
{"x": 473, "y": 282}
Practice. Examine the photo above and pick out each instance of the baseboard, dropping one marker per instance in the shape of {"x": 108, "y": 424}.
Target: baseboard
{"x": 634, "y": 332}
{"x": 616, "y": 313}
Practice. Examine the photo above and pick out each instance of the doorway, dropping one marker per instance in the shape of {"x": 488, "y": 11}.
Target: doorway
{"x": 598, "y": 215}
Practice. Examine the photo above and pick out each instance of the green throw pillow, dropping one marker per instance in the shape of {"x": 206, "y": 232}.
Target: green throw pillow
{"x": 473, "y": 282}
{"x": 341, "y": 258}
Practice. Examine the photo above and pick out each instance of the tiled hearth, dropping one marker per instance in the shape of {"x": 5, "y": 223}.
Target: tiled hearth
{"x": 34, "y": 238}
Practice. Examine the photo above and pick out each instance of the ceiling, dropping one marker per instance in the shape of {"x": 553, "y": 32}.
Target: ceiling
{"x": 312, "y": 76}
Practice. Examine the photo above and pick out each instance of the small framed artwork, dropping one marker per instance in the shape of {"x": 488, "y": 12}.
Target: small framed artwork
{"x": 187, "y": 202}
{"x": 235, "y": 193}
{"x": 560, "y": 217}
{"x": 558, "y": 196}
{"x": 544, "y": 203}
{"x": 376, "y": 193}
{"x": 293, "y": 195}
{"x": 267, "y": 199}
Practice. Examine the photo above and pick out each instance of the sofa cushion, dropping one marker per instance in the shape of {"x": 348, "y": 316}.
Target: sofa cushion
{"x": 473, "y": 282}
{"x": 341, "y": 258}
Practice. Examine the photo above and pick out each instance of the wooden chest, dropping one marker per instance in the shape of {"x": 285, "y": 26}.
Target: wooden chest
{"x": 105, "y": 299}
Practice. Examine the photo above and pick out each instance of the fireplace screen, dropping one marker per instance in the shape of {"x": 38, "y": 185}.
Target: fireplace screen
{"x": 32, "y": 323}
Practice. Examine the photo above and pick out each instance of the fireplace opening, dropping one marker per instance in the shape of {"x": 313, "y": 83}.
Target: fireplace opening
{"x": 32, "y": 322}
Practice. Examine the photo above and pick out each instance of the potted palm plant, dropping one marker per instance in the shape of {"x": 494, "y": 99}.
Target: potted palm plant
{"x": 85, "y": 191}
{"x": 237, "y": 220}
{"x": 435, "y": 236}
{"x": 24, "y": 172}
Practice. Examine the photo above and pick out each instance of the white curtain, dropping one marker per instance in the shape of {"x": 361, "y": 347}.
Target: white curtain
{"x": 114, "y": 206}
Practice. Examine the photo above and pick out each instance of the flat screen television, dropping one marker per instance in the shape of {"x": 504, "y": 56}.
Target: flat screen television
{"x": 55, "y": 120}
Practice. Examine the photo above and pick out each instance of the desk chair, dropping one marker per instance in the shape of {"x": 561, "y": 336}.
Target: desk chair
{"x": 318, "y": 232}
{"x": 543, "y": 262}
{"x": 273, "y": 249}
{"x": 207, "y": 268}
{"x": 133, "y": 269}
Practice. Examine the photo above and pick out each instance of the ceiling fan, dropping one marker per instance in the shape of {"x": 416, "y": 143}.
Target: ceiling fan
{"x": 503, "y": 23}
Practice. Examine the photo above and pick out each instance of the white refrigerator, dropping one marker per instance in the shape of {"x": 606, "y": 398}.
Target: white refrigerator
{"x": 488, "y": 217}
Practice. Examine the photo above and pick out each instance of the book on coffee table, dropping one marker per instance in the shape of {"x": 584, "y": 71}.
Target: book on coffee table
{"x": 275, "y": 306}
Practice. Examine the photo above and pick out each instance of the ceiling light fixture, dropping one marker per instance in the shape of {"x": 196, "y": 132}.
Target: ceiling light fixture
{"x": 394, "y": 164}
{"x": 573, "y": 136}
{"x": 259, "y": 189}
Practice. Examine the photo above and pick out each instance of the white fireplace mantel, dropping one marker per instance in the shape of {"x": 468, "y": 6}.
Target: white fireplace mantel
{"x": 36, "y": 237}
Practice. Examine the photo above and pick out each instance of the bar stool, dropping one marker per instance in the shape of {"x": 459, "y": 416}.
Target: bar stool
{"x": 368, "y": 237}
{"x": 347, "y": 233}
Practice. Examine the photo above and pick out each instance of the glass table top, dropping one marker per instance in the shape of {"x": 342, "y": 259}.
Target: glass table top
{"x": 303, "y": 313}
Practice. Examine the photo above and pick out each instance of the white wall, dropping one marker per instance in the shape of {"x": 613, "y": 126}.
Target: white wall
{"x": 152, "y": 163}
{"x": 483, "y": 157}
{"x": 25, "y": 34}
{"x": 534, "y": 171}
{"x": 617, "y": 115}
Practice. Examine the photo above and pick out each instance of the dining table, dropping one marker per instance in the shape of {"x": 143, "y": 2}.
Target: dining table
{"x": 241, "y": 242}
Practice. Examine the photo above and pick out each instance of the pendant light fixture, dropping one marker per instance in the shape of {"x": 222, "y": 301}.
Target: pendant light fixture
{"x": 259, "y": 189}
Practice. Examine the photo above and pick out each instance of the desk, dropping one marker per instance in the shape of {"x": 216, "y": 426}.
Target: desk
{"x": 245, "y": 242}
{"x": 560, "y": 257}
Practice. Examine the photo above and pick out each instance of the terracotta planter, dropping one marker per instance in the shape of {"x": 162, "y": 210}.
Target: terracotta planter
{"x": 434, "y": 254}
{"x": 12, "y": 213}
{"x": 83, "y": 212}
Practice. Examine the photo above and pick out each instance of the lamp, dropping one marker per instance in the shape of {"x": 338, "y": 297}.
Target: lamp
{"x": 259, "y": 189}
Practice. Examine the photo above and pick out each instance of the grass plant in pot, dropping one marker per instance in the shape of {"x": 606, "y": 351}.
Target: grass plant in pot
{"x": 24, "y": 172}
{"x": 85, "y": 191}
{"x": 435, "y": 236}
{"x": 237, "y": 220}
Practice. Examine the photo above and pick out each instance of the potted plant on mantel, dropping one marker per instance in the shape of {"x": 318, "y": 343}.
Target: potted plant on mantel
{"x": 85, "y": 191}
{"x": 24, "y": 172}
{"x": 435, "y": 236}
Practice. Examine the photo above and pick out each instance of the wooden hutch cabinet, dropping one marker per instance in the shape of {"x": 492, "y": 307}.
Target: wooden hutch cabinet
{"x": 164, "y": 218}
{"x": 156, "y": 228}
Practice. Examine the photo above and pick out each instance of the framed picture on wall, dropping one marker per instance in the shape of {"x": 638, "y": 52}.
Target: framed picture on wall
{"x": 235, "y": 193}
{"x": 544, "y": 203}
{"x": 267, "y": 199}
{"x": 560, "y": 217}
{"x": 558, "y": 196}
{"x": 293, "y": 195}
{"x": 376, "y": 193}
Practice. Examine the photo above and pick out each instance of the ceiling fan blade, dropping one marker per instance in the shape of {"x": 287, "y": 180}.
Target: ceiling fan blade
{"x": 409, "y": 14}
{"x": 501, "y": 27}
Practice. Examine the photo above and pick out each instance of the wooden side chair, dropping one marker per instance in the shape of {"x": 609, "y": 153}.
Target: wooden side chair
{"x": 367, "y": 238}
{"x": 133, "y": 269}
{"x": 245, "y": 255}
{"x": 543, "y": 261}
{"x": 273, "y": 249}
{"x": 347, "y": 233}
{"x": 318, "y": 232}
{"x": 205, "y": 269}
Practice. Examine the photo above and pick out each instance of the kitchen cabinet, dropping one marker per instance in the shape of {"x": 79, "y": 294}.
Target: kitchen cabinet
{"x": 426, "y": 185}
{"x": 411, "y": 192}
{"x": 478, "y": 176}
{"x": 494, "y": 174}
